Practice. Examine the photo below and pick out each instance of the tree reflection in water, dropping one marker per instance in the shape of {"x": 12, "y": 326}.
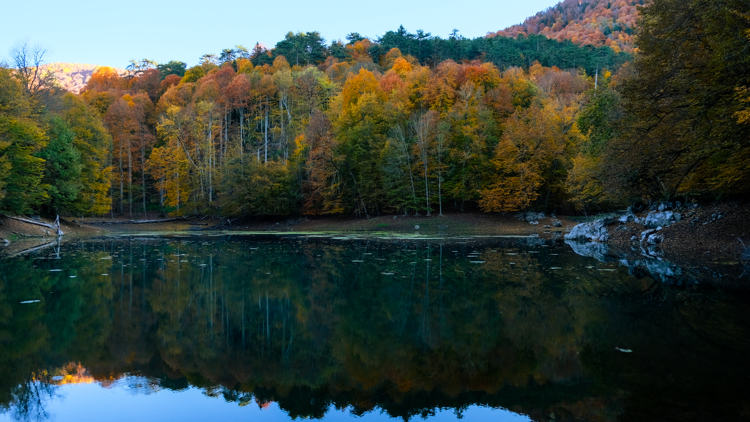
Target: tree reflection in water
{"x": 406, "y": 326}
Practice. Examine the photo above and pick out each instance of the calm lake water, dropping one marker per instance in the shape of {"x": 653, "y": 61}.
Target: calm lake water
{"x": 274, "y": 328}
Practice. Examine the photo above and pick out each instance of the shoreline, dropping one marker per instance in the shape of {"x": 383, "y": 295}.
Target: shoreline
{"x": 686, "y": 242}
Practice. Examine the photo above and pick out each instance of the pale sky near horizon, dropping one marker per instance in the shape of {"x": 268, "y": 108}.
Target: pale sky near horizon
{"x": 112, "y": 33}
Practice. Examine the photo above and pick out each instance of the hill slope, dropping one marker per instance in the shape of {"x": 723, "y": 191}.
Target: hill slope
{"x": 594, "y": 22}
{"x": 73, "y": 76}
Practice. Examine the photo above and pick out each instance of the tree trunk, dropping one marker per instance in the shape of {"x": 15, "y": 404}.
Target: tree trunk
{"x": 143, "y": 178}
{"x": 242, "y": 137}
{"x": 265, "y": 135}
{"x": 130, "y": 180}
{"x": 122, "y": 180}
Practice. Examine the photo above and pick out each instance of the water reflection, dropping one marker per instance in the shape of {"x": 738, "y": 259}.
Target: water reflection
{"x": 406, "y": 327}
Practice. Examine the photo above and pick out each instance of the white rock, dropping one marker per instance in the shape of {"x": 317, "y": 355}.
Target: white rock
{"x": 655, "y": 239}
{"x": 663, "y": 219}
{"x": 626, "y": 218}
{"x": 594, "y": 231}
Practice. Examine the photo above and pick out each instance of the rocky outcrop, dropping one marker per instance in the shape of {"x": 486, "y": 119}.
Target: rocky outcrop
{"x": 656, "y": 219}
{"x": 595, "y": 231}
{"x": 627, "y": 218}
{"x": 530, "y": 216}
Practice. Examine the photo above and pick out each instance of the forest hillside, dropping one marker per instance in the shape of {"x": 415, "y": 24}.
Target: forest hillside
{"x": 586, "y": 22}
{"x": 407, "y": 123}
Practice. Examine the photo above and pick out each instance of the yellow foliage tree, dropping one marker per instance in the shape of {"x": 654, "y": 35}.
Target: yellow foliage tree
{"x": 532, "y": 148}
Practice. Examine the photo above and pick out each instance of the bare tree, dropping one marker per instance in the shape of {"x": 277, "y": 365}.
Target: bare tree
{"x": 28, "y": 62}
{"x": 440, "y": 150}
{"x": 400, "y": 141}
{"x": 424, "y": 126}
{"x": 136, "y": 68}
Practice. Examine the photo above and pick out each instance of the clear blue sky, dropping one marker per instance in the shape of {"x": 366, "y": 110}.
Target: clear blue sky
{"x": 113, "y": 32}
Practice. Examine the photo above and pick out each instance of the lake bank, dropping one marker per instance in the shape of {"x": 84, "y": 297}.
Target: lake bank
{"x": 470, "y": 223}
{"x": 698, "y": 235}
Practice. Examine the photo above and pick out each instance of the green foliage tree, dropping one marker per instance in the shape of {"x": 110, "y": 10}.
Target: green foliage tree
{"x": 62, "y": 166}
{"x": 171, "y": 68}
{"x": 193, "y": 74}
{"x": 93, "y": 142}
{"x": 21, "y": 138}
{"x": 598, "y": 121}
{"x": 302, "y": 48}
{"x": 682, "y": 135}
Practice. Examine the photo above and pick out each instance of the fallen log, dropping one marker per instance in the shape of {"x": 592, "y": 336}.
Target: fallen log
{"x": 38, "y": 223}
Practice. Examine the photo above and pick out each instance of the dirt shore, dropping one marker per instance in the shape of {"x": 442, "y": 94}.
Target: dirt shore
{"x": 451, "y": 224}
{"x": 714, "y": 232}
{"x": 718, "y": 239}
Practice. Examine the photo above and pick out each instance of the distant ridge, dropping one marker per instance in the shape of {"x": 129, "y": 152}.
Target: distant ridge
{"x": 586, "y": 22}
{"x": 73, "y": 76}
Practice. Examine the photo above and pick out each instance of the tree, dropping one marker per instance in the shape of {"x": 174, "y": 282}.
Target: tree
{"x": 598, "y": 121}
{"x": 193, "y": 74}
{"x": 680, "y": 105}
{"x": 302, "y": 48}
{"x": 21, "y": 172}
{"x": 424, "y": 127}
{"x": 137, "y": 67}
{"x": 62, "y": 166}
{"x": 104, "y": 79}
{"x": 172, "y": 68}
{"x": 28, "y": 64}
{"x": 362, "y": 130}
{"x": 94, "y": 143}
{"x": 354, "y": 37}
{"x": 527, "y": 156}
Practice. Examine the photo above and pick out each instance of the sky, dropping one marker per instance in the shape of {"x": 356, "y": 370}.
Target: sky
{"x": 111, "y": 33}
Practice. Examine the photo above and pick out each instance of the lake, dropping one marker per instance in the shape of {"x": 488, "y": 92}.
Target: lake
{"x": 340, "y": 327}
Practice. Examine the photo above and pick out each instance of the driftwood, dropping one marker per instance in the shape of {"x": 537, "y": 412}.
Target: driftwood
{"x": 38, "y": 223}
{"x": 133, "y": 221}
{"x": 221, "y": 226}
{"x": 55, "y": 227}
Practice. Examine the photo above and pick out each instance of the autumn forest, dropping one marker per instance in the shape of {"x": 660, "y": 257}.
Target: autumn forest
{"x": 406, "y": 123}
